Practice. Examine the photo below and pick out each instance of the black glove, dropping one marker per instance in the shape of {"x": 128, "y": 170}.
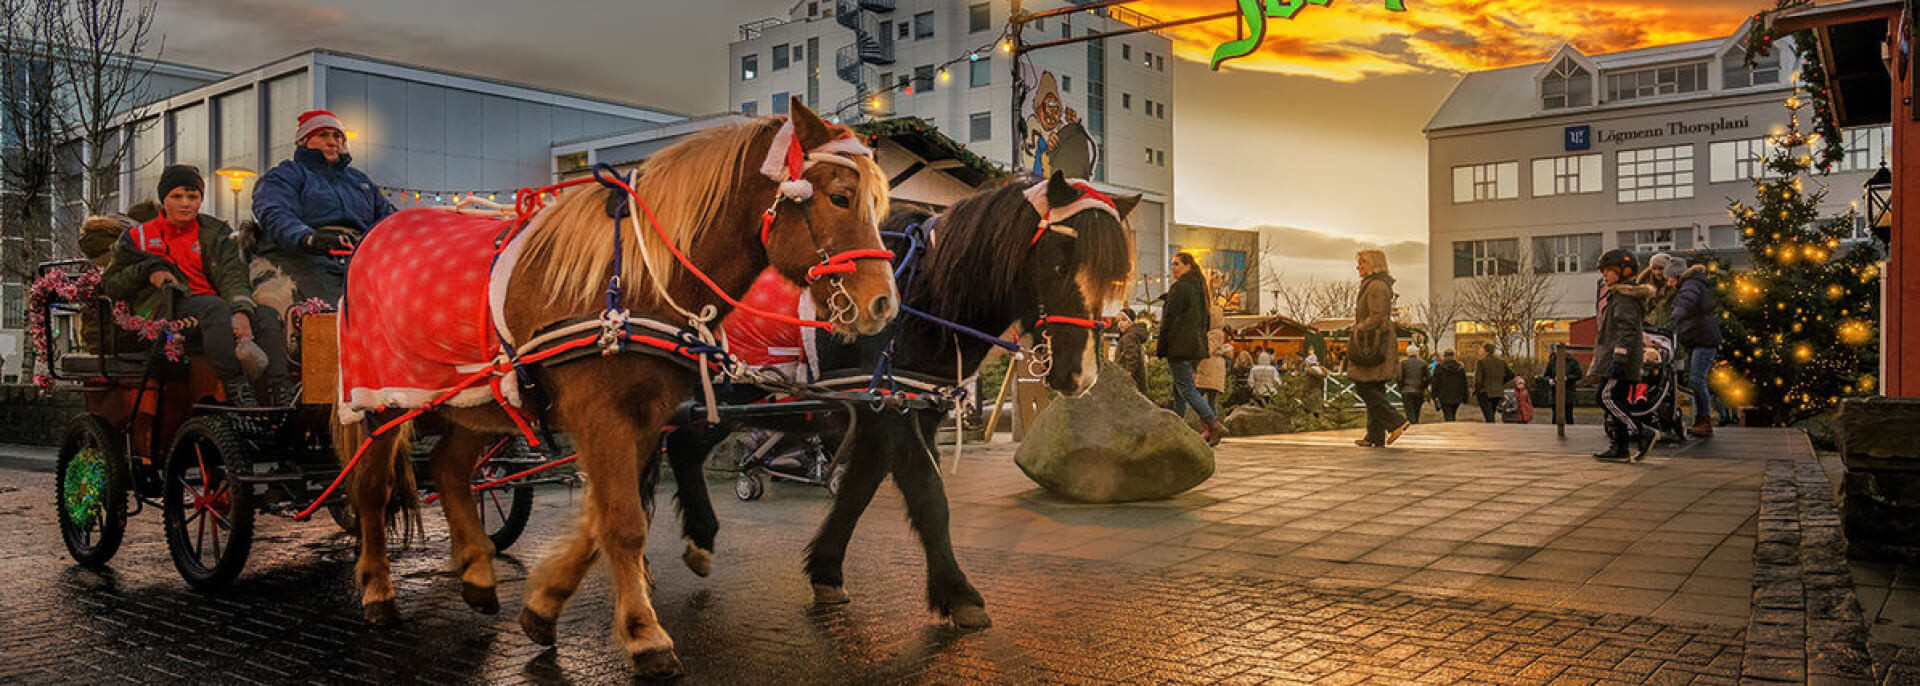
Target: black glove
{"x": 327, "y": 242}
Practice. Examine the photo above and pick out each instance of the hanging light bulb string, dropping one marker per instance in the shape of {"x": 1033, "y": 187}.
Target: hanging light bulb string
{"x": 1004, "y": 42}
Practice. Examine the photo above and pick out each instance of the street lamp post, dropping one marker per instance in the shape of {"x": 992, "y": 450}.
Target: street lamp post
{"x": 236, "y": 179}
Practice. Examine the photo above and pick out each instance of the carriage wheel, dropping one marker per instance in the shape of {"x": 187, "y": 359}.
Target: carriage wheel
{"x": 503, "y": 511}
{"x": 344, "y": 516}
{"x": 749, "y": 487}
{"x": 209, "y": 517}
{"x": 90, "y": 479}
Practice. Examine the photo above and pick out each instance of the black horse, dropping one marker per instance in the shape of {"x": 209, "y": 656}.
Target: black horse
{"x": 992, "y": 262}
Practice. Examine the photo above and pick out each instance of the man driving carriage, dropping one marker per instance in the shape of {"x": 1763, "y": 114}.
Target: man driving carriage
{"x": 313, "y": 209}
{"x": 184, "y": 265}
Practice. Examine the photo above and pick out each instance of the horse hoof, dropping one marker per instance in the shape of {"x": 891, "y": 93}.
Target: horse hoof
{"x": 658, "y": 664}
{"x": 698, "y": 559}
{"x": 824, "y": 594}
{"x": 970, "y": 617}
{"x": 382, "y": 613}
{"x": 538, "y": 629}
{"x": 481, "y": 598}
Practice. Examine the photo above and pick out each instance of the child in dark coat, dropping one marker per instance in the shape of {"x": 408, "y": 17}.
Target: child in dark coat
{"x": 1618, "y": 348}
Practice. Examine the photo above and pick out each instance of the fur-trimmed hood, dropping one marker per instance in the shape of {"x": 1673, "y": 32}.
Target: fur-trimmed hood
{"x": 1638, "y": 289}
{"x": 1698, "y": 270}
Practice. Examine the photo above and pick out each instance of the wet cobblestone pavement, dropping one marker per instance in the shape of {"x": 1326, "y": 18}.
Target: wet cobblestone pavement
{"x": 1293, "y": 565}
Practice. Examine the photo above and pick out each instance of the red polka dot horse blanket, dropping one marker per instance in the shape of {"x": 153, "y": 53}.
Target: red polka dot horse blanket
{"x": 417, "y": 317}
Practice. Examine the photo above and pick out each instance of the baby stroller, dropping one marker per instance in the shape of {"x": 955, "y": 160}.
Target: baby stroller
{"x": 1650, "y": 402}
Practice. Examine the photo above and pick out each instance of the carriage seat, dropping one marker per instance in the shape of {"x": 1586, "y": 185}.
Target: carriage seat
{"x": 122, "y": 366}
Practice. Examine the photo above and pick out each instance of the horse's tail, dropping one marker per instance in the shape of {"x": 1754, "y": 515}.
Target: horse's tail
{"x": 388, "y": 461}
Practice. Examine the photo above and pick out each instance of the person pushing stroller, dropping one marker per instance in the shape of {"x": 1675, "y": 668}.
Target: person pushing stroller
{"x": 1618, "y": 351}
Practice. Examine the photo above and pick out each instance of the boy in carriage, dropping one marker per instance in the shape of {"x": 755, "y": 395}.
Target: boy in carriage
{"x": 187, "y": 266}
{"x": 1619, "y": 348}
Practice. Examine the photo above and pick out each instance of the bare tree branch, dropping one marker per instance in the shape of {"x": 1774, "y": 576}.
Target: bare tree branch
{"x": 28, "y": 101}
{"x": 1436, "y": 316}
{"x": 1508, "y": 305}
{"x": 102, "y": 78}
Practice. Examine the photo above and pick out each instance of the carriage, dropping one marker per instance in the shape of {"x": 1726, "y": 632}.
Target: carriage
{"x": 157, "y": 433}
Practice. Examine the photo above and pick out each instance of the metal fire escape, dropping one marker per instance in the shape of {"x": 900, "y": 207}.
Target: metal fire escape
{"x": 870, "y": 46}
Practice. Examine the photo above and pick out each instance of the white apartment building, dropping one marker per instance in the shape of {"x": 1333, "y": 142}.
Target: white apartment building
{"x": 1546, "y": 166}
{"x": 873, "y": 59}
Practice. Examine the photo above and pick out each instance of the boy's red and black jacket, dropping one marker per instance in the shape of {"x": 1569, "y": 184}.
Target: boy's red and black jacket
{"x": 147, "y": 249}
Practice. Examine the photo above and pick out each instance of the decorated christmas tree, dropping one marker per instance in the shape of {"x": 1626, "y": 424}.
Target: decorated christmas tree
{"x": 1801, "y": 327}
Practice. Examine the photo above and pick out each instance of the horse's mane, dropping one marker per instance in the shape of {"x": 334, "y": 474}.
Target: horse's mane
{"x": 982, "y": 242}
{"x": 685, "y": 185}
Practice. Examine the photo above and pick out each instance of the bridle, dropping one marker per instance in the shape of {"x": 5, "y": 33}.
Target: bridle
{"x": 787, "y": 162}
{"x": 1040, "y": 362}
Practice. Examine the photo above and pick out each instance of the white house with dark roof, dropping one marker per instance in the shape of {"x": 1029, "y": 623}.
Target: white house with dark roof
{"x": 1545, "y": 166}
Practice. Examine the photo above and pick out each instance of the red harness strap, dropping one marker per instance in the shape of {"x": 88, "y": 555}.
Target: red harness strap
{"x": 843, "y": 263}
{"x": 1092, "y": 324}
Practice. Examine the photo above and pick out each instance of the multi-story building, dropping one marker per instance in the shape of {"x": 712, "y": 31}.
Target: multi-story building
{"x": 1545, "y": 166}
{"x": 1230, "y": 258}
{"x": 860, "y": 59}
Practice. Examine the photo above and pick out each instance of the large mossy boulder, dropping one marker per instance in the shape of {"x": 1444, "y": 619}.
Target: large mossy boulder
{"x": 1113, "y": 446}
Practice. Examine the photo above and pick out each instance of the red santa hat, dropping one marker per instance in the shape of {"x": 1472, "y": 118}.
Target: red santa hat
{"x": 315, "y": 120}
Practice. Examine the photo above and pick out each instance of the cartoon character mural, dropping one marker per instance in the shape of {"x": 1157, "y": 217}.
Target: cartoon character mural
{"x": 1054, "y": 138}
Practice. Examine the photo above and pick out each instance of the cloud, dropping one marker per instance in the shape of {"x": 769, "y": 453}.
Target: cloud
{"x": 1350, "y": 41}
{"x": 1308, "y": 255}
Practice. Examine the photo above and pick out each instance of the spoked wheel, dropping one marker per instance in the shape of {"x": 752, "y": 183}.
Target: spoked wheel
{"x": 209, "y": 516}
{"x": 91, "y": 481}
{"x": 503, "y": 510}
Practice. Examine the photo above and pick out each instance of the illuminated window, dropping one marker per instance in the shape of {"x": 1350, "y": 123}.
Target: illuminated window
{"x": 1656, "y": 173}
{"x": 1740, "y": 160}
{"x": 1566, "y": 175}
{"x": 1483, "y": 182}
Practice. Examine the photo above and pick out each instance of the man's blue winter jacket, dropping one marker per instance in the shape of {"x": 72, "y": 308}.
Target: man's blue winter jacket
{"x": 306, "y": 192}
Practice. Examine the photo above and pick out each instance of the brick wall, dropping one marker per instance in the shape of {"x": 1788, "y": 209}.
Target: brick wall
{"x": 30, "y": 417}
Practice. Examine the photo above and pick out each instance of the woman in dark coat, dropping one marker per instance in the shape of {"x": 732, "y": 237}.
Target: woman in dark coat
{"x": 1372, "y": 360}
{"x": 1449, "y": 385}
{"x": 1183, "y": 342}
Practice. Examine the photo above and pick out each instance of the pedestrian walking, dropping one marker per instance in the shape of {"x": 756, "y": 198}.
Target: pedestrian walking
{"x": 1618, "y": 348}
{"x": 1522, "y": 400}
{"x": 1370, "y": 355}
{"x": 1414, "y": 376}
{"x": 1316, "y": 386}
{"x": 1490, "y": 378}
{"x": 1696, "y": 326}
{"x": 1183, "y": 342}
{"x": 1130, "y": 351}
{"x": 1210, "y": 376}
{"x": 1449, "y": 385}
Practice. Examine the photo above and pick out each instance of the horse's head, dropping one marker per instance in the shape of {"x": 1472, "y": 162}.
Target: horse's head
{"x": 825, "y": 234}
{"x": 1078, "y": 266}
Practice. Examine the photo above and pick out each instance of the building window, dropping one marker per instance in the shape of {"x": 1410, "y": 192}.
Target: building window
{"x": 1486, "y": 258}
{"x": 1126, "y": 53}
{"x": 1866, "y": 148}
{"x": 923, "y": 25}
{"x": 1146, "y": 59}
{"x": 886, "y": 81}
{"x": 1160, "y": 157}
{"x": 799, "y": 54}
{"x": 1569, "y": 254}
{"x": 1740, "y": 160}
{"x": 923, "y": 79}
{"x": 980, "y": 73}
{"x": 1566, "y": 175}
{"x": 1066, "y": 83}
{"x": 1149, "y": 155}
{"x": 13, "y": 311}
{"x": 1656, "y": 173}
{"x": 1146, "y": 106}
{"x": 1126, "y": 101}
{"x": 781, "y": 103}
{"x": 903, "y": 31}
{"x": 1647, "y": 83}
{"x": 1723, "y": 237}
{"x": 1160, "y": 110}
{"x": 979, "y": 127}
{"x": 1735, "y": 73}
{"x": 1159, "y": 63}
{"x": 813, "y": 9}
{"x": 1568, "y": 85}
{"x": 1482, "y": 182}
{"x": 751, "y": 109}
{"x": 1644, "y": 244}
{"x": 749, "y": 67}
{"x": 979, "y": 17}
{"x": 780, "y": 56}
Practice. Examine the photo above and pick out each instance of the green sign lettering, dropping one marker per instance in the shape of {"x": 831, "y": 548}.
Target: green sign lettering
{"x": 1255, "y": 14}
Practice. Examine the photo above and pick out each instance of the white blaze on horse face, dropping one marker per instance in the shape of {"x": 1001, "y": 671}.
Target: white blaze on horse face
{"x": 1093, "y": 294}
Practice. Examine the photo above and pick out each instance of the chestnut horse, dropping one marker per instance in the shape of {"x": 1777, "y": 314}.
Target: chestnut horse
{"x": 709, "y": 194}
{"x": 1013, "y": 256}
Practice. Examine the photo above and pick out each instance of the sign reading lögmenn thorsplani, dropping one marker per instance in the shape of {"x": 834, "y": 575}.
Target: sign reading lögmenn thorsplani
{"x": 1584, "y": 136}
